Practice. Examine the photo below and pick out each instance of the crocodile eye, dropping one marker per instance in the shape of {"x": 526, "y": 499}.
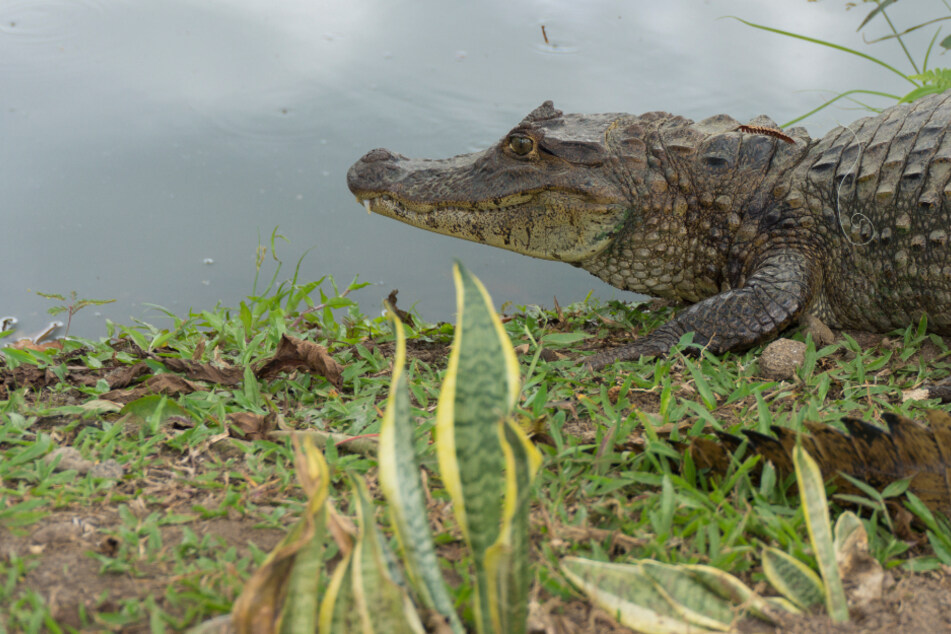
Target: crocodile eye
{"x": 521, "y": 145}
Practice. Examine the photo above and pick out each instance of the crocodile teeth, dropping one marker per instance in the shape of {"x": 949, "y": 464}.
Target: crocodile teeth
{"x": 366, "y": 203}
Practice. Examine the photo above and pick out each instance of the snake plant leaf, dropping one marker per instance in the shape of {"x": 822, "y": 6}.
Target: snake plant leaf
{"x": 812, "y": 492}
{"x": 282, "y": 594}
{"x": 479, "y": 390}
{"x": 384, "y": 605}
{"x": 738, "y": 593}
{"x": 630, "y": 595}
{"x": 338, "y": 610}
{"x": 403, "y": 489}
{"x": 865, "y": 574}
{"x": 303, "y": 593}
{"x": 507, "y": 561}
{"x": 778, "y": 605}
{"x": 845, "y": 529}
{"x": 690, "y": 597}
{"x": 793, "y": 579}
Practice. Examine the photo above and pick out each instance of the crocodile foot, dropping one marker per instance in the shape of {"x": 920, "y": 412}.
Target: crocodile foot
{"x": 940, "y": 390}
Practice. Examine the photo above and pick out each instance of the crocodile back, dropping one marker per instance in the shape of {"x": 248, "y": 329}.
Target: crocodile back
{"x": 879, "y": 189}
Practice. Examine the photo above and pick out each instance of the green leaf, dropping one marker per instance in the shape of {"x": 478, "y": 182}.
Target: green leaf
{"x": 922, "y": 91}
{"x": 403, "y": 489}
{"x": 383, "y": 604}
{"x": 301, "y": 606}
{"x": 338, "y": 611}
{"x": 478, "y": 393}
{"x": 630, "y": 595}
{"x": 703, "y": 388}
{"x": 736, "y": 592}
{"x": 278, "y": 594}
{"x": 695, "y": 602}
{"x": 153, "y": 405}
{"x": 507, "y": 561}
{"x": 558, "y": 339}
{"x": 816, "y": 508}
{"x": 793, "y": 579}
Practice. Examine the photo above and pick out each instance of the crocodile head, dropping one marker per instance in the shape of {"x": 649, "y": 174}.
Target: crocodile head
{"x": 558, "y": 187}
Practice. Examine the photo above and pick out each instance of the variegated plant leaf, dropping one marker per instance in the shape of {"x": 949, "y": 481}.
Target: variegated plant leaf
{"x": 793, "y": 579}
{"x": 275, "y": 593}
{"x": 629, "y": 594}
{"x": 812, "y": 492}
{"x": 403, "y": 489}
{"x": 384, "y": 605}
{"x": 478, "y": 392}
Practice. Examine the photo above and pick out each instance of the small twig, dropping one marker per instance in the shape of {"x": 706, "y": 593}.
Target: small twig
{"x": 545, "y": 35}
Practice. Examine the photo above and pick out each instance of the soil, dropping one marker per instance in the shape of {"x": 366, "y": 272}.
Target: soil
{"x": 917, "y": 603}
{"x": 61, "y": 549}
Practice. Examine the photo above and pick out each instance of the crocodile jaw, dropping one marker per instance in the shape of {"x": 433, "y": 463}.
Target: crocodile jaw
{"x": 550, "y": 225}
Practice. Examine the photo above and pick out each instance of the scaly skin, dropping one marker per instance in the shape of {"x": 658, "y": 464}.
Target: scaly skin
{"x": 754, "y": 232}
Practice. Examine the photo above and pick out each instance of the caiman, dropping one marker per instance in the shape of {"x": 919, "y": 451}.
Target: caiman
{"x": 755, "y": 227}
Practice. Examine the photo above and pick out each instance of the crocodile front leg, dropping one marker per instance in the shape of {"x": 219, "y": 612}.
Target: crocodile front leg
{"x": 773, "y": 298}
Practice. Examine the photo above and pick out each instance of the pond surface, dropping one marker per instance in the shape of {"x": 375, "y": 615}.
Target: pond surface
{"x": 148, "y": 147}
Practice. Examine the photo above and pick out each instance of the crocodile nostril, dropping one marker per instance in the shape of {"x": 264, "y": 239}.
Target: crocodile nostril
{"x": 379, "y": 154}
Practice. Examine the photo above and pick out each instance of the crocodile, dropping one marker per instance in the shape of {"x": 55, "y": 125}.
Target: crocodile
{"x": 755, "y": 228}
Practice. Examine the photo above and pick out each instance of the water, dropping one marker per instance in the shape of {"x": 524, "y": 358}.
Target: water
{"x": 147, "y": 148}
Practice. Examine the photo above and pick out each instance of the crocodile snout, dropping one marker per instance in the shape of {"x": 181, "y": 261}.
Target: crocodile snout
{"x": 374, "y": 171}
{"x": 380, "y": 154}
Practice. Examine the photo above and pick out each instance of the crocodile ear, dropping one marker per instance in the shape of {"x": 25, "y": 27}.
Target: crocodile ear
{"x": 544, "y": 112}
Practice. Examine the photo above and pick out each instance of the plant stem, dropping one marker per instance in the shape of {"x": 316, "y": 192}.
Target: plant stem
{"x": 911, "y": 60}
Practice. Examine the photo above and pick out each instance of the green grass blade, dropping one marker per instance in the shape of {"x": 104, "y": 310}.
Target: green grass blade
{"x": 478, "y": 392}
{"x": 812, "y": 492}
{"x": 836, "y": 98}
{"x": 838, "y": 47}
{"x": 403, "y": 489}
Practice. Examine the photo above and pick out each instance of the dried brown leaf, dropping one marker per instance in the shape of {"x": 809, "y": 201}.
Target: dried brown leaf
{"x": 297, "y": 354}
{"x": 404, "y": 316}
{"x": 40, "y": 346}
{"x": 123, "y": 376}
{"x": 221, "y": 375}
{"x": 167, "y": 384}
{"x": 251, "y": 426}
{"x": 862, "y": 575}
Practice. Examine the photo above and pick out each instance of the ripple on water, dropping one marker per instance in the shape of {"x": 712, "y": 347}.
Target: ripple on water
{"x": 46, "y": 21}
{"x": 49, "y": 38}
{"x": 279, "y": 115}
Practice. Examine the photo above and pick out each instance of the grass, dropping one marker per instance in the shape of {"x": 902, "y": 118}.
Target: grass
{"x": 168, "y": 544}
